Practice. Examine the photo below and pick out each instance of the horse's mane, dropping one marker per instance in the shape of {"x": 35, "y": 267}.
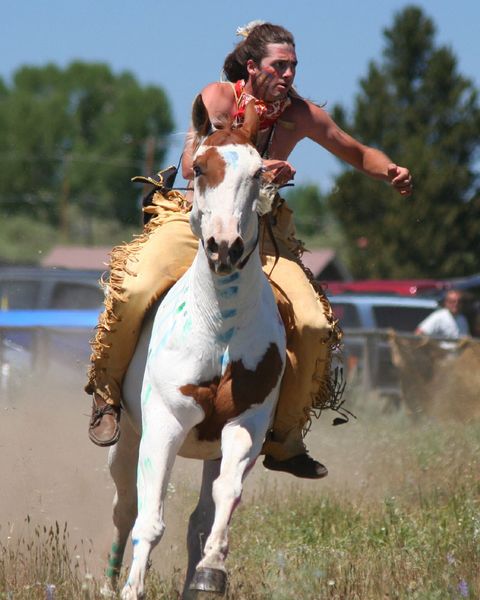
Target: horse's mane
{"x": 222, "y": 132}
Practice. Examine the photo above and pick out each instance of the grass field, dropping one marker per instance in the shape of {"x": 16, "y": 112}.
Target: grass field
{"x": 402, "y": 521}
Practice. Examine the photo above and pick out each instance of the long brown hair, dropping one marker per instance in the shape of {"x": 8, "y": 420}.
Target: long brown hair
{"x": 254, "y": 47}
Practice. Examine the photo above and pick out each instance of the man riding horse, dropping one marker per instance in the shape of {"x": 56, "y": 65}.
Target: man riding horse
{"x": 261, "y": 69}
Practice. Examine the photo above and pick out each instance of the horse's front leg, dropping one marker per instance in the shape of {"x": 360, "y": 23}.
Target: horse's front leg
{"x": 162, "y": 437}
{"x": 241, "y": 444}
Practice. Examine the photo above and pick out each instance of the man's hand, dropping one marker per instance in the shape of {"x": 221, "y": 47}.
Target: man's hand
{"x": 278, "y": 171}
{"x": 400, "y": 178}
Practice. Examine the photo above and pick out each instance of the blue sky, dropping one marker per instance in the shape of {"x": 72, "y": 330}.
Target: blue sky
{"x": 181, "y": 45}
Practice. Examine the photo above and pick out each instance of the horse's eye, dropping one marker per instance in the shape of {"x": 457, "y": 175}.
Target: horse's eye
{"x": 197, "y": 170}
{"x": 259, "y": 173}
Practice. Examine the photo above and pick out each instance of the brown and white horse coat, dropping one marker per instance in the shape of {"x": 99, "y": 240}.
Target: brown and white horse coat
{"x": 211, "y": 374}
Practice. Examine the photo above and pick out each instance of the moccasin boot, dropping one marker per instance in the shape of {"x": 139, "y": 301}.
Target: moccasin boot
{"x": 104, "y": 429}
{"x": 301, "y": 465}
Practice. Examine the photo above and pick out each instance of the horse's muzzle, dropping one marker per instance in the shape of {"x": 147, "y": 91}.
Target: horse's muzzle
{"x": 223, "y": 257}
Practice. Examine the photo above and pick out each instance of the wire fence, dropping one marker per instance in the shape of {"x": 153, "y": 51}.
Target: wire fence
{"x": 30, "y": 354}
{"x": 425, "y": 375}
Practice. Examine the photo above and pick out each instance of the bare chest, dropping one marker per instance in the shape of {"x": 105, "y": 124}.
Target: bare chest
{"x": 279, "y": 142}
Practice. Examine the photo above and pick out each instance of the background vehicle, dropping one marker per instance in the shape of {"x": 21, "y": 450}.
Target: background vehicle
{"x": 42, "y": 288}
{"x": 47, "y": 317}
{"x": 51, "y": 344}
{"x": 420, "y": 288}
{"x": 402, "y": 287}
{"x": 435, "y": 288}
{"x": 366, "y": 321}
{"x": 365, "y": 311}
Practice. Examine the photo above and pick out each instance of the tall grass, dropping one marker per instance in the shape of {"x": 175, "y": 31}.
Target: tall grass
{"x": 418, "y": 540}
{"x": 41, "y": 563}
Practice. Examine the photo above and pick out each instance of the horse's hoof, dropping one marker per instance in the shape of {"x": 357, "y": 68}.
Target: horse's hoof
{"x": 209, "y": 580}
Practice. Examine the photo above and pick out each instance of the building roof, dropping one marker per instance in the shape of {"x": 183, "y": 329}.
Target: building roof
{"x": 78, "y": 257}
{"x": 325, "y": 264}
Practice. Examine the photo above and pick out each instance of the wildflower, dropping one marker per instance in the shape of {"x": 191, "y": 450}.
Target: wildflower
{"x": 463, "y": 588}
{"x": 451, "y": 559}
{"x": 281, "y": 560}
{"x": 107, "y": 592}
{"x": 49, "y": 591}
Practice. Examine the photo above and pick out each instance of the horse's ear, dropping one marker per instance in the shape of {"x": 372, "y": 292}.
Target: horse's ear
{"x": 251, "y": 122}
{"x": 200, "y": 119}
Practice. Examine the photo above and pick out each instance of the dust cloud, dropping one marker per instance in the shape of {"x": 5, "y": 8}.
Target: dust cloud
{"x": 51, "y": 472}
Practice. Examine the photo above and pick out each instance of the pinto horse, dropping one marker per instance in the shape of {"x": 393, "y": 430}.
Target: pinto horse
{"x": 211, "y": 366}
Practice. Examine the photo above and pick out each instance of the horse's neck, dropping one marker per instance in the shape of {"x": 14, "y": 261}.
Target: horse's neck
{"x": 237, "y": 294}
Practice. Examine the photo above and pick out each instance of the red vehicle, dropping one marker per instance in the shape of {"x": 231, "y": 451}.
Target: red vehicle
{"x": 425, "y": 288}
{"x": 401, "y": 287}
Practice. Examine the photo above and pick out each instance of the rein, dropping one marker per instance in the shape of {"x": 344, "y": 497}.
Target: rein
{"x": 244, "y": 260}
{"x": 268, "y": 227}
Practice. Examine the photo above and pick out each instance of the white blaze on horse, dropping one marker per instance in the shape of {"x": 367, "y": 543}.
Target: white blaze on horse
{"x": 216, "y": 355}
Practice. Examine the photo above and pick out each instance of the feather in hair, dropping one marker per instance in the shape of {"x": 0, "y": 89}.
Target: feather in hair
{"x": 245, "y": 30}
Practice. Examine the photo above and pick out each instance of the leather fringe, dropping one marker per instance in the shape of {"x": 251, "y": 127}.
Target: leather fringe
{"x": 112, "y": 284}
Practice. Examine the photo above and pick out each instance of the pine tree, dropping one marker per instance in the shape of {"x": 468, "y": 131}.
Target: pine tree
{"x": 417, "y": 108}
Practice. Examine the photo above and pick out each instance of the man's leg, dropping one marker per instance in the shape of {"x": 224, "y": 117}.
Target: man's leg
{"x": 140, "y": 272}
{"x": 311, "y": 334}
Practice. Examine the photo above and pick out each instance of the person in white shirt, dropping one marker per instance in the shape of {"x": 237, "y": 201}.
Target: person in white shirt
{"x": 446, "y": 322}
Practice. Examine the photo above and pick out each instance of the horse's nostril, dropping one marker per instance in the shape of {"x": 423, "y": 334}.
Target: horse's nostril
{"x": 236, "y": 250}
{"x": 212, "y": 245}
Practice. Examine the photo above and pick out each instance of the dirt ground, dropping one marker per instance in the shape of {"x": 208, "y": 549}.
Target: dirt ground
{"x": 51, "y": 472}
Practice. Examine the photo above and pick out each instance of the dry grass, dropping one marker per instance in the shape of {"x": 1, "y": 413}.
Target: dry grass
{"x": 398, "y": 517}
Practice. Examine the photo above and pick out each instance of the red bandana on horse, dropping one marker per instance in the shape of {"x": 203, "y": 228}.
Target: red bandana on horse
{"x": 268, "y": 112}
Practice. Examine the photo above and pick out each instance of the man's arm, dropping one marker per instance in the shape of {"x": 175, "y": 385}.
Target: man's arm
{"x": 219, "y": 100}
{"x": 429, "y": 325}
{"x": 320, "y": 127}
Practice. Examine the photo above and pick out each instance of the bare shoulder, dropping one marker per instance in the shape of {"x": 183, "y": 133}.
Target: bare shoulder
{"x": 307, "y": 114}
{"x": 219, "y": 98}
{"x": 314, "y": 122}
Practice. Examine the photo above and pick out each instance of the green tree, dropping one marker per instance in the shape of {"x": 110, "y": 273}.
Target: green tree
{"x": 425, "y": 115}
{"x": 315, "y": 224}
{"x": 308, "y": 204}
{"x": 71, "y": 139}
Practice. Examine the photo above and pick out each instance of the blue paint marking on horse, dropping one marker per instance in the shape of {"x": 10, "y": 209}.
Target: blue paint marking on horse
{"x": 225, "y": 337}
{"x": 146, "y": 392}
{"x": 224, "y": 360}
{"x": 173, "y": 303}
{"x": 229, "y": 292}
{"x": 187, "y": 326}
{"x": 171, "y": 316}
{"x": 157, "y": 345}
{"x": 231, "y": 157}
{"x": 229, "y": 313}
{"x": 229, "y": 278}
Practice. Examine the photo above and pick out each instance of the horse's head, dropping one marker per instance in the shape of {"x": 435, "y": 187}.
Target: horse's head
{"x": 227, "y": 170}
